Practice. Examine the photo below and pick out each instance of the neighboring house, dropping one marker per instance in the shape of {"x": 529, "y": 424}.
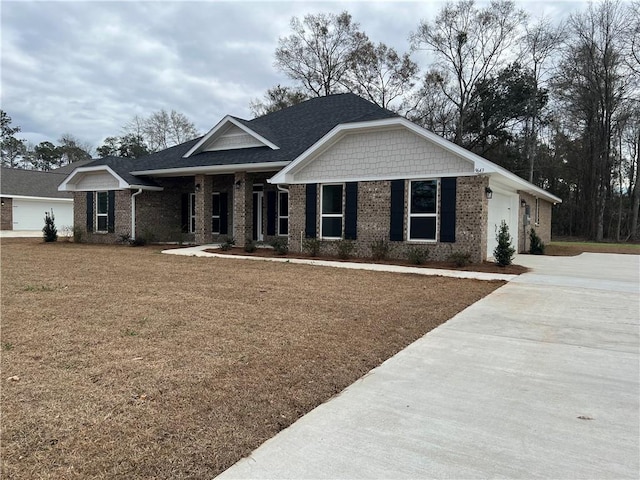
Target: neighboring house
{"x": 331, "y": 168}
{"x": 27, "y": 194}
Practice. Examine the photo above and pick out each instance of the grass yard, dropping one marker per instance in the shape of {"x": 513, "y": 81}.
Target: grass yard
{"x": 571, "y": 248}
{"x": 121, "y": 362}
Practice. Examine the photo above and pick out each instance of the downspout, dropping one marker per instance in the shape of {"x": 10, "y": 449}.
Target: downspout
{"x": 133, "y": 213}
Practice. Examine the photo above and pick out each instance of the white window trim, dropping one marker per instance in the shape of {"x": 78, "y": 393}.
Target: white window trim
{"x": 98, "y": 214}
{"x": 192, "y": 213}
{"x": 281, "y": 217}
{"x": 332, "y": 215}
{"x": 213, "y": 217}
{"x": 423, "y": 215}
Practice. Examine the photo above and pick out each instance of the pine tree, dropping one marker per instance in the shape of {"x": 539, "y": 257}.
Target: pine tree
{"x": 504, "y": 252}
{"x": 536, "y": 247}
{"x": 49, "y": 231}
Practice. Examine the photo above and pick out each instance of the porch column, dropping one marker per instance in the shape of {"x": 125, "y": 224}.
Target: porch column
{"x": 242, "y": 208}
{"x": 204, "y": 190}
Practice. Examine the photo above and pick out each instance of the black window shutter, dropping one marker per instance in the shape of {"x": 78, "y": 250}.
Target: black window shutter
{"x": 396, "y": 226}
{"x": 311, "y": 209}
{"x": 90, "y": 211}
{"x": 351, "y": 211}
{"x": 448, "y": 210}
{"x": 111, "y": 211}
{"x": 224, "y": 213}
{"x": 184, "y": 213}
{"x": 271, "y": 212}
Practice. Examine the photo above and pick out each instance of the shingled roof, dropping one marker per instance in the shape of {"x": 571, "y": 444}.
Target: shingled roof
{"x": 293, "y": 130}
{"x": 31, "y": 183}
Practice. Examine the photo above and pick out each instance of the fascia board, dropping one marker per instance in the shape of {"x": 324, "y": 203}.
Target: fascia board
{"x": 213, "y": 169}
{"x": 30, "y": 197}
{"x": 372, "y": 178}
{"x": 220, "y": 126}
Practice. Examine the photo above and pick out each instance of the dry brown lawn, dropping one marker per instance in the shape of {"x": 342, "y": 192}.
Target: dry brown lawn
{"x": 133, "y": 364}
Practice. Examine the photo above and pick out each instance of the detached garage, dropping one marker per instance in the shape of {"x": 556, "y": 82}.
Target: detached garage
{"x": 27, "y": 194}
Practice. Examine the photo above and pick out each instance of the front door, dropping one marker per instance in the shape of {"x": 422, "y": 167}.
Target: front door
{"x": 258, "y": 197}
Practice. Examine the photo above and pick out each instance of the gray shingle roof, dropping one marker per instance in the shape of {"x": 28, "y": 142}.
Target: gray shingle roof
{"x": 292, "y": 129}
{"x": 32, "y": 183}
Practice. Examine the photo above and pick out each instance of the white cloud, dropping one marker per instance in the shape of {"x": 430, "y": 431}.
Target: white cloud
{"x": 87, "y": 68}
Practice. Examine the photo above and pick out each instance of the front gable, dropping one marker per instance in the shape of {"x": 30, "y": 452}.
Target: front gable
{"x": 86, "y": 179}
{"x": 388, "y": 153}
{"x": 230, "y": 134}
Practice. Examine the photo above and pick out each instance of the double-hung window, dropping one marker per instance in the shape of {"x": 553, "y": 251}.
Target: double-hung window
{"x": 283, "y": 213}
{"x": 423, "y": 210}
{"x": 332, "y": 211}
{"x": 215, "y": 213}
{"x": 102, "y": 211}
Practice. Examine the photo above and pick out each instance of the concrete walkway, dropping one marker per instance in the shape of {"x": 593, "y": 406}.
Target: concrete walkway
{"x": 199, "y": 251}
{"x": 540, "y": 379}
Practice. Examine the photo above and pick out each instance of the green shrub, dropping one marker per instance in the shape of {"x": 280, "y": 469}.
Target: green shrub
{"x": 503, "y": 253}
{"x": 345, "y": 248}
{"x": 280, "y": 245}
{"x": 460, "y": 259}
{"x": 250, "y": 246}
{"x": 380, "y": 249}
{"x": 311, "y": 246}
{"x": 418, "y": 255}
{"x": 227, "y": 244}
{"x": 49, "y": 231}
{"x": 536, "y": 247}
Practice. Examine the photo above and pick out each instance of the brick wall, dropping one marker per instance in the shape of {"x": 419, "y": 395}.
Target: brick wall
{"x": 374, "y": 201}
{"x": 122, "y": 220}
{"x": 6, "y": 214}
{"x": 542, "y": 226}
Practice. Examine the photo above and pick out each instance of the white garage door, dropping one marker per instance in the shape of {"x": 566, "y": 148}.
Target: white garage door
{"x": 29, "y": 214}
{"x": 503, "y": 206}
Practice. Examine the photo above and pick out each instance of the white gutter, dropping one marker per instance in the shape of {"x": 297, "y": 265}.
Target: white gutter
{"x": 133, "y": 213}
{"x": 213, "y": 169}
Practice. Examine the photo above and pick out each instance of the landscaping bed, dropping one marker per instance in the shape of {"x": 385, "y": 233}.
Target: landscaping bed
{"x": 490, "y": 267}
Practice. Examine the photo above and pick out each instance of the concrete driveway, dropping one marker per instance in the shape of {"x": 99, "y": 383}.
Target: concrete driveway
{"x": 539, "y": 379}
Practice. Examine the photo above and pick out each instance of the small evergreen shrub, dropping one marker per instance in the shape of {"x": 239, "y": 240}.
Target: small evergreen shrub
{"x": 227, "y": 244}
{"x": 311, "y": 246}
{"x": 460, "y": 259}
{"x": 345, "y": 248}
{"x": 503, "y": 253}
{"x": 280, "y": 245}
{"x": 124, "y": 238}
{"x": 418, "y": 255}
{"x": 536, "y": 247}
{"x": 380, "y": 249}
{"x": 49, "y": 231}
{"x": 250, "y": 246}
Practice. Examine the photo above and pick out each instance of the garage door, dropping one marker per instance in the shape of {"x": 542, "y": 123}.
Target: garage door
{"x": 29, "y": 214}
{"x": 503, "y": 206}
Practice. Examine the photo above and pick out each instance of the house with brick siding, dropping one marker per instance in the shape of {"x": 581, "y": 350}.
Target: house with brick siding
{"x": 331, "y": 168}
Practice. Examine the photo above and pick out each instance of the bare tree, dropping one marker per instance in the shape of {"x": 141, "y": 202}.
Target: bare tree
{"x": 318, "y": 52}
{"x": 592, "y": 84}
{"x": 430, "y": 107}
{"x": 277, "y": 98}
{"x": 469, "y": 44}
{"x": 160, "y": 130}
{"x": 379, "y": 74}
{"x": 541, "y": 41}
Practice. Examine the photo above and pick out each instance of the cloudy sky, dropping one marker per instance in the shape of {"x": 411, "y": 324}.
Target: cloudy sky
{"x": 87, "y": 67}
